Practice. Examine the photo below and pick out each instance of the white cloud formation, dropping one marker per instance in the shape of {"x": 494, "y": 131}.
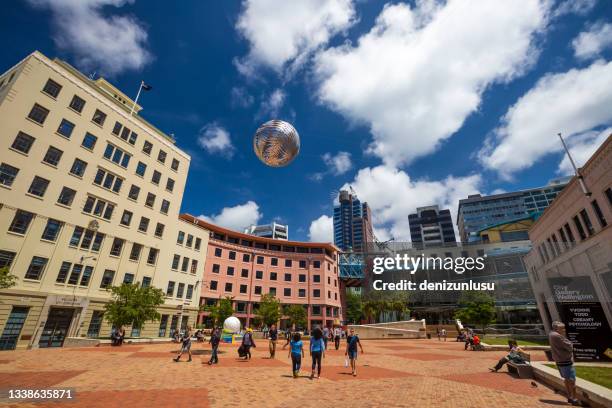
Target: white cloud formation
{"x": 272, "y": 104}
{"x": 284, "y": 32}
{"x": 572, "y": 102}
{"x": 589, "y": 44}
{"x": 322, "y": 229}
{"x": 216, "y": 140}
{"x": 338, "y": 164}
{"x": 582, "y": 147}
{"x": 241, "y": 97}
{"x": 579, "y": 7}
{"x": 108, "y": 44}
{"x": 236, "y": 218}
{"x": 420, "y": 72}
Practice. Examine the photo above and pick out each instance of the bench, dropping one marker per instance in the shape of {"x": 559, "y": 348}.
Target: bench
{"x": 522, "y": 370}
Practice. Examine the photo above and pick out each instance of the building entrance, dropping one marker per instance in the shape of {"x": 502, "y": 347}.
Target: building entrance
{"x": 56, "y": 327}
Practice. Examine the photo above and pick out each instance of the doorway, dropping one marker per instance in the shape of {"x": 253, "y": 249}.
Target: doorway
{"x": 56, "y": 327}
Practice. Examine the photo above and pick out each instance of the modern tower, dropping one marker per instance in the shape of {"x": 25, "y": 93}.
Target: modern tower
{"x": 352, "y": 223}
{"x": 273, "y": 230}
{"x": 431, "y": 226}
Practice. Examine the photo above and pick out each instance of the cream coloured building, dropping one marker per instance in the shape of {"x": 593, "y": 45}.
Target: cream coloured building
{"x": 89, "y": 197}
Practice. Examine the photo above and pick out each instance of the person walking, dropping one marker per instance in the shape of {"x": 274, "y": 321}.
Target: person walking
{"x": 185, "y": 344}
{"x": 296, "y": 352}
{"x": 352, "y": 341}
{"x": 443, "y": 333}
{"x": 273, "y": 337}
{"x": 325, "y": 336}
{"x": 337, "y": 336}
{"x": 247, "y": 343}
{"x": 317, "y": 351}
{"x": 289, "y": 335}
{"x": 215, "y": 339}
{"x": 563, "y": 354}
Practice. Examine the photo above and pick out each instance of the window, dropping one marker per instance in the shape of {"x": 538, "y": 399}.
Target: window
{"x": 66, "y": 196}
{"x": 75, "y": 274}
{"x": 108, "y": 180}
{"x": 117, "y": 247}
{"x": 245, "y": 257}
{"x": 78, "y": 167}
{"x": 134, "y": 191}
{"x": 7, "y": 174}
{"x": 194, "y": 265}
{"x": 53, "y": 156}
{"x": 243, "y": 288}
{"x": 170, "y": 184}
{"x": 36, "y": 268}
{"x": 228, "y": 287}
{"x": 6, "y": 259}
{"x": 216, "y": 268}
{"x": 99, "y": 117}
{"x": 258, "y": 274}
{"x": 301, "y": 278}
{"x": 39, "y": 186}
{"x": 21, "y": 222}
{"x": 76, "y": 236}
{"x": 146, "y": 281}
{"x": 77, "y": 104}
{"x": 273, "y": 276}
{"x": 63, "y": 272}
{"x": 213, "y": 285}
{"x": 143, "y": 226}
{"x": 23, "y": 142}
{"x": 150, "y": 201}
{"x": 161, "y": 156}
{"x": 156, "y": 177}
{"x": 159, "y": 230}
{"x": 65, "y": 128}
{"x": 175, "y": 261}
{"x": 95, "y": 323}
{"x": 218, "y": 252}
{"x": 230, "y": 271}
{"x": 302, "y": 264}
{"x": 287, "y": 277}
{"x": 126, "y": 218}
{"x": 287, "y": 292}
{"x": 152, "y": 257}
{"x": 117, "y": 128}
{"x": 125, "y": 133}
{"x": 170, "y": 289}
{"x": 189, "y": 294}
{"x": 272, "y": 291}
{"x": 316, "y": 264}
{"x": 608, "y": 193}
{"x": 38, "y": 113}
{"x": 258, "y": 290}
{"x": 587, "y": 222}
{"x": 198, "y": 244}
{"x": 232, "y": 255}
{"x": 599, "y": 213}
{"x": 579, "y": 227}
{"x": 98, "y": 207}
{"x": 185, "y": 264}
{"x": 302, "y": 292}
{"x": 89, "y": 141}
{"x": 180, "y": 238}
{"x": 117, "y": 155}
{"x": 165, "y": 206}
{"x": 141, "y": 168}
{"x": 189, "y": 240}
{"x": 135, "y": 252}
{"x": 87, "y": 238}
{"x": 146, "y": 148}
{"x": 52, "y": 88}
{"x": 274, "y": 261}
{"x": 260, "y": 260}
{"x": 52, "y": 230}
{"x": 86, "y": 276}
{"x": 288, "y": 263}
{"x": 128, "y": 278}
{"x": 316, "y": 293}
{"x": 244, "y": 273}
{"x": 316, "y": 278}
{"x": 175, "y": 164}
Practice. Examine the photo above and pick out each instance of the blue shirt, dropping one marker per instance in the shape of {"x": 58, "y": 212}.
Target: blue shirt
{"x": 317, "y": 345}
{"x": 296, "y": 347}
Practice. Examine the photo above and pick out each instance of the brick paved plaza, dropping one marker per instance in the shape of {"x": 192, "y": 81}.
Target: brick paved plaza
{"x": 419, "y": 373}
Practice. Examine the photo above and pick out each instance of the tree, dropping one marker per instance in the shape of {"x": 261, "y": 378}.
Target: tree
{"x": 354, "y": 307}
{"x": 296, "y": 315}
{"x": 220, "y": 310}
{"x": 476, "y": 308}
{"x": 370, "y": 310}
{"x": 269, "y": 309}
{"x": 6, "y": 279}
{"x": 132, "y": 304}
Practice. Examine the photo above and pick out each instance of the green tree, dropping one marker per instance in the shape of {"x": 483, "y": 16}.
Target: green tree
{"x": 354, "y": 307}
{"x": 6, "y": 279}
{"x": 132, "y": 304}
{"x": 476, "y": 308}
{"x": 220, "y": 310}
{"x": 269, "y": 309}
{"x": 297, "y": 315}
{"x": 370, "y": 310}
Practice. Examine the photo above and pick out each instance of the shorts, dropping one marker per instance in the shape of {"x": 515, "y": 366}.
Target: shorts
{"x": 567, "y": 372}
{"x": 186, "y": 347}
{"x": 352, "y": 354}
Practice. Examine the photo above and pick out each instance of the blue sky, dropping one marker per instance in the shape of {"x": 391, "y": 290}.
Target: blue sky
{"x": 412, "y": 104}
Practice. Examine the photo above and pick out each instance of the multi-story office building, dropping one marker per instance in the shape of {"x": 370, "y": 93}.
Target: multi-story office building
{"x": 90, "y": 197}
{"x": 246, "y": 267}
{"x": 352, "y": 223}
{"x": 570, "y": 265}
{"x": 274, "y": 231}
{"x": 477, "y": 212}
{"x": 431, "y": 226}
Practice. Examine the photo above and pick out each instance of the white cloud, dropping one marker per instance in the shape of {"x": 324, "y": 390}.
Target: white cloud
{"x": 322, "y": 229}
{"x": 241, "y": 97}
{"x": 589, "y": 44}
{"x": 109, "y": 44}
{"x": 420, "y": 72}
{"x": 572, "y": 102}
{"x": 236, "y": 218}
{"x": 215, "y": 139}
{"x": 338, "y": 164}
{"x": 284, "y": 32}
{"x": 579, "y": 7}
{"x": 582, "y": 147}
{"x": 272, "y": 104}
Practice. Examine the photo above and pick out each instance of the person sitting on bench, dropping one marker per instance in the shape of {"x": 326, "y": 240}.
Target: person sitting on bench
{"x": 513, "y": 355}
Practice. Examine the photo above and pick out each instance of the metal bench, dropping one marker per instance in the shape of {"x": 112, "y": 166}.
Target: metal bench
{"x": 522, "y": 370}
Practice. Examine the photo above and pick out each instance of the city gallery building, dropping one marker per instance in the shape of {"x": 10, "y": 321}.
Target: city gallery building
{"x": 90, "y": 195}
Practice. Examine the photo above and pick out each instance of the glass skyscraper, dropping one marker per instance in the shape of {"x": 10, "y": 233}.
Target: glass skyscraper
{"x": 352, "y": 223}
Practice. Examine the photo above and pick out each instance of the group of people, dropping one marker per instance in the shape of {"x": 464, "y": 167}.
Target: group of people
{"x": 441, "y": 333}
{"x": 471, "y": 339}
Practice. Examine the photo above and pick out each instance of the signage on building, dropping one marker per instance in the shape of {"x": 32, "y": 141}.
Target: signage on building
{"x": 585, "y": 321}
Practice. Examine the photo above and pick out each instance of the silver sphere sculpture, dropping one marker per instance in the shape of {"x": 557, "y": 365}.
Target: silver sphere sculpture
{"x": 276, "y": 143}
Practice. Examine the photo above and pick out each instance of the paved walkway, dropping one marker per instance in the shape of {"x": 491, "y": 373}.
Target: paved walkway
{"x": 392, "y": 373}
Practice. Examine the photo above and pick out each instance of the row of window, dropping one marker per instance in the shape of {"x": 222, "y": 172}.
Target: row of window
{"x": 52, "y": 88}
{"x": 180, "y": 240}
{"x": 184, "y": 265}
{"x": 243, "y": 289}
{"x": 273, "y": 261}
{"x": 216, "y": 268}
{"x": 180, "y": 289}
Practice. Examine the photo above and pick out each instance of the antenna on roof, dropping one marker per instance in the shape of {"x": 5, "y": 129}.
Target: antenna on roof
{"x": 92, "y": 76}
{"x": 576, "y": 172}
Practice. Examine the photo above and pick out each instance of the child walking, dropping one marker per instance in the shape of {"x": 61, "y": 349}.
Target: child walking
{"x": 186, "y": 344}
{"x": 296, "y": 353}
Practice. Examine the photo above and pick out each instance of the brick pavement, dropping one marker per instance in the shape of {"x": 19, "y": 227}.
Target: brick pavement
{"x": 393, "y": 373}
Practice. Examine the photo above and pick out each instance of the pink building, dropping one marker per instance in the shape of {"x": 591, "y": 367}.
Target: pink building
{"x": 246, "y": 267}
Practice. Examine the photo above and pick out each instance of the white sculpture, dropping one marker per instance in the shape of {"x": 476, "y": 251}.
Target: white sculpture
{"x": 231, "y": 325}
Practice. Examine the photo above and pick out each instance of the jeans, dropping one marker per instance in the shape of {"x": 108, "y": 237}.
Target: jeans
{"x": 296, "y": 361}
{"x": 501, "y": 363}
{"x": 213, "y": 356}
{"x": 316, "y": 360}
{"x": 272, "y": 348}
{"x": 337, "y": 342}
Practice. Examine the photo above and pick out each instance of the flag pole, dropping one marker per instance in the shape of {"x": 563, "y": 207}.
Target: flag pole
{"x": 576, "y": 172}
{"x": 138, "y": 96}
